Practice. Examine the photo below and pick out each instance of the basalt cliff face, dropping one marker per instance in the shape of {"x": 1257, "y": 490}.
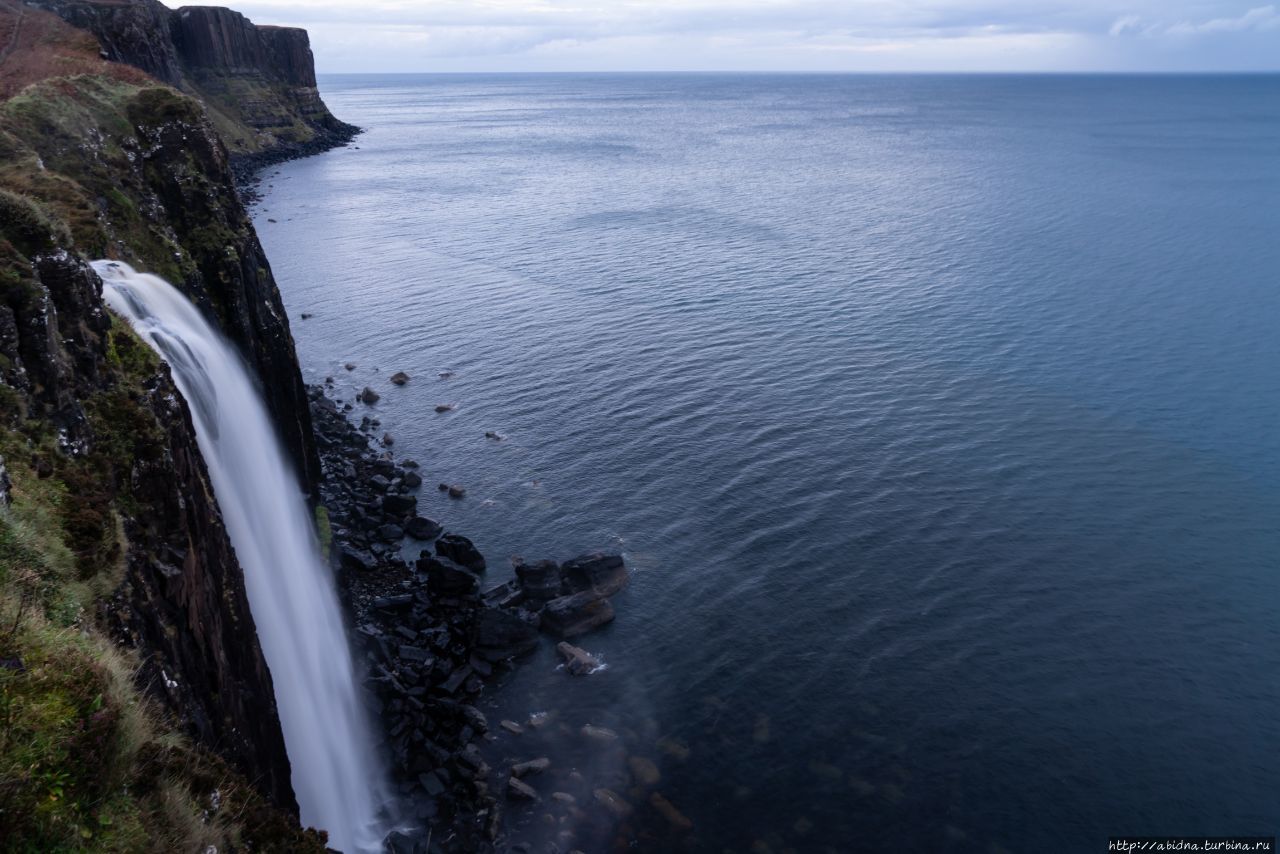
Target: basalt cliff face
{"x": 136, "y": 709}
{"x": 257, "y": 83}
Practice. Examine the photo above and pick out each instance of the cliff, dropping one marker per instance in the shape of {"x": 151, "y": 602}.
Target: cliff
{"x": 257, "y": 83}
{"x": 136, "y": 709}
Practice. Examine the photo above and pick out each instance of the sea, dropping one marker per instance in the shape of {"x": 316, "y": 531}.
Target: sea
{"x": 937, "y": 417}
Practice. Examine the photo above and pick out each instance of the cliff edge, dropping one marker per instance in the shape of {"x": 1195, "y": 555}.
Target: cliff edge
{"x": 257, "y": 83}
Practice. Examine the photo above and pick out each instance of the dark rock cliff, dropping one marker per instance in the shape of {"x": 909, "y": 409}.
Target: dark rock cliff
{"x": 99, "y": 457}
{"x": 258, "y": 82}
{"x": 123, "y": 436}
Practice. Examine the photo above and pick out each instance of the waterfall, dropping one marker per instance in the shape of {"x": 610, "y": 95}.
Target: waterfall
{"x": 336, "y": 775}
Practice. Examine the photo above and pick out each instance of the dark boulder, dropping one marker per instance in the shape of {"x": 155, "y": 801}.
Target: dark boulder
{"x": 501, "y": 635}
{"x": 446, "y": 578}
{"x": 399, "y": 505}
{"x": 422, "y": 528}
{"x": 539, "y": 581}
{"x": 603, "y": 574}
{"x": 356, "y": 560}
{"x": 399, "y": 378}
{"x": 569, "y": 616}
{"x": 461, "y": 550}
{"x": 368, "y": 396}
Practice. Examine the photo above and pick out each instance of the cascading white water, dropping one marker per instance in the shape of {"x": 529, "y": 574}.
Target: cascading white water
{"x": 336, "y": 775}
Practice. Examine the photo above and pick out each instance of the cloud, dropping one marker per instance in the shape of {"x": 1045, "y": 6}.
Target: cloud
{"x": 425, "y": 35}
{"x": 1259, "y": 19}
{"x": 1125, "y": 24}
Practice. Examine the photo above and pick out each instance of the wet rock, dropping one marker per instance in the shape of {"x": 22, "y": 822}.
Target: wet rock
{"x": 564, "y": 798}
{"x": 577, "y": 661}
{"x": 356, "y": 560}
{"x": 501, "y": 635}
{"x": 368, "y": 396}
{"x": 446, "y": 375}
{"x": 399, "y": 505}
{"x": 599, "y": 734}
{"x": 306, "y": 315}
{"x": 532, "y": 766}
{"x": 388, "y": 440}
{"x": 673, "y": 748}
{"x": 456, "y": 491}
{"x": 644, "y": 771}
{"x": 668, "y": 811}
{"x": 445, "y": 407}
{"x": 540, "y": 581}
{"x": 422, "y": 528}
{"x": 570, "y": 616}
{"x": 613, "y": 802}
{"x": 519, "y": 791}
{"x": 412, "y": 479}
{"x": 350, "y": 366}
{"x": 460, "y": 550}
{"x": 512, "y": 727}
{"x": 446, "y": 578}
{"x": 399, "y": 378}
{"x": 601, "y": 573}
{"x": 432, "y": 784}
{"x": 390, "y": 533}
{"x": 489, "y": 434}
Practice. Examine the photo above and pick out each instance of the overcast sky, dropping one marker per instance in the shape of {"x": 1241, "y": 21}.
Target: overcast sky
{"x": 799, "y": 35}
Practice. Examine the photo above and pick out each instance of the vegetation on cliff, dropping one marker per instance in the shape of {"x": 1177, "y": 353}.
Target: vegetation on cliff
{"x": 136, "y": 712}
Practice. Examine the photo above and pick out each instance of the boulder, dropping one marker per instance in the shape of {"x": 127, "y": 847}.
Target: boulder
{"x": 399, "y": 505}
{"x": 540, "y": 581}
{"x": 601, "y": 573}
{"x": 501, "y": 634}
{"x": 613, "y": 802}
{"x": 422, "y": 528}
{"x": 368, "y": 396}
{"x": 460, "y": 550}
{"x": 518, "y": 791}
{"x": 399, "y": 378}
{"x": 444, "y": 407}
{"x": 569, "y": 616}
{"x": 411, "y": 479}
{"x": 356, "y": 560}
{"x": 644, "y": 771}
{"x": 532, "y": 766}
{"x": 446, "y": 578}
{"x": 668, "y": 811}
{"x": 577, "y": 661}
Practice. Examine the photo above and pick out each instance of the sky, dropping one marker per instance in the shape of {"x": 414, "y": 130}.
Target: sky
{"x": 780, "y": 35}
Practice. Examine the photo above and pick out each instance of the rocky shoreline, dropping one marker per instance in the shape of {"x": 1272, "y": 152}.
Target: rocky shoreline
{"x": 430, "y": 641}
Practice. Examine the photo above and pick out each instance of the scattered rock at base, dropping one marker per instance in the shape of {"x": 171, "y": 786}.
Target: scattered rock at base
{"x": 520, "y": 791}
{"x": 444, "y": 407}
{"x": 511, "y": 727}
{"x": 399, "y": 505}
{"x": 570, "y": 616}
{"x": 422, "y": 528}
{"x": 368, "y": 396}
{"x": 460, "y": 550}
{"x": 446, "y": 578}
{"x": 501, "y": 635}
{"x": 388, "y": 440}
{"x": 399, "y": 378}
{"x": 306, "y": 315}
{"x": 532, "y": 766}
{"x": 350, "y": 366}
{"x": 601, "y": 573}
{"x": 456, "y": 491}
{"x": 613, "y": 802}
{"x": 577, "y": 661}
{"x": 668, "y": 811}
{"x": 599, "y": 734}
{"x": 644, "y": 771}
{"x": 540, "y": 582}
{"x": 489, "y": 434}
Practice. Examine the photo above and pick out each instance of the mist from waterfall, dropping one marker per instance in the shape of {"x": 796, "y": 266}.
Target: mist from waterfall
{"x": 336, "y": 774}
